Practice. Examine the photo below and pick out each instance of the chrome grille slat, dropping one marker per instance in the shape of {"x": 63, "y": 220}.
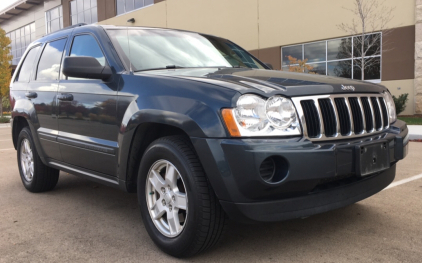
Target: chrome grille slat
{"x": 364, "y": 106}
{"x": 363, "y": 114}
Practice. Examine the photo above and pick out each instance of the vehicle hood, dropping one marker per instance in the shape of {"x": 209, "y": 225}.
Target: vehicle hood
{"x": 270, "y": 82}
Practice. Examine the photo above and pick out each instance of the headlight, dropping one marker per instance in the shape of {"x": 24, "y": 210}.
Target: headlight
{"x": 254, "y": 116}
{"x": 391, "y": 107}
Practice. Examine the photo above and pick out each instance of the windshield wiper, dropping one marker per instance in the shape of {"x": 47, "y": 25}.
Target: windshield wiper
{"x": 166, "y": 67}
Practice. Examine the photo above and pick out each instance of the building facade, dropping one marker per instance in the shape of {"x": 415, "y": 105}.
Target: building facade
{"x": 272, "y": 30}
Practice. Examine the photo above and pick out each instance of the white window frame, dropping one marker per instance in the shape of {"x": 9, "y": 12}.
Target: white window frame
{"x": 32, "y": 37}
{"x": 126, "y": 12}
{"x": 60, "y": 18}
{"x": 83, "y": 11}
{"x": 336, "y": 60}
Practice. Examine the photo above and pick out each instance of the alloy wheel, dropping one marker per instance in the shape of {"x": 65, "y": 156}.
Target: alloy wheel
{"x": 27, "y": 160}
{"x": 166, "y": 198}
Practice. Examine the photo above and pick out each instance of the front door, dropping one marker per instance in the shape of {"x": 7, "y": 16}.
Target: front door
{"x": 88, "y": 127}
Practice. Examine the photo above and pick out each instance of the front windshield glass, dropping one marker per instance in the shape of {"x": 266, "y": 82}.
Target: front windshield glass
{"x": 149, "y": 49}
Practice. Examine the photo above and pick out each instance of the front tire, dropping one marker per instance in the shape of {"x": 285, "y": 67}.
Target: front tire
{"x": 179, "y": 208}
{"x": 35, "y": 176}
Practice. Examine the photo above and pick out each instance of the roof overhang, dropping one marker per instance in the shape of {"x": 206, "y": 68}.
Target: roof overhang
{"x": 17, "y": 9}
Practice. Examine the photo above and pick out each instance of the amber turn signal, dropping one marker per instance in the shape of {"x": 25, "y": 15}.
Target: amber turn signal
{"x": 230, "y": 122}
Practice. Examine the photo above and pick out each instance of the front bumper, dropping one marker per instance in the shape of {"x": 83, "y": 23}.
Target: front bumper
{"x": 321, "y": 176}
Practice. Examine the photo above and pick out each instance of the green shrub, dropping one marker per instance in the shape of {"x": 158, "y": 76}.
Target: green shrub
{"x": 4, "y": 120}
{"x": 400, "y": 102}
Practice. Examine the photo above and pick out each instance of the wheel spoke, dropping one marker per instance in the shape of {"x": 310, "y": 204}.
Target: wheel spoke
{"x": 180, "y": 200}
{"x": 158, "y": 209}
{"x": 173, "y": 221}
{"x": 27, "y": 147}
{"x": 156, "y": 180}
{"x": 171, "y": 176}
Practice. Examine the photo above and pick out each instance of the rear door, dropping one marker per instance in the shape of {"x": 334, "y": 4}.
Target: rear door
{"x": 42, "y": 90}
{"x": 88, "y": 128}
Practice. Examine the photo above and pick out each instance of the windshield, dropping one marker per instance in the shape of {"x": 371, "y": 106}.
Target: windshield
{"x": 149, "y": 49}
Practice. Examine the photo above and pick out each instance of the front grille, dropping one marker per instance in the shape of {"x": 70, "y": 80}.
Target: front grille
{"x": 329, "y": 117}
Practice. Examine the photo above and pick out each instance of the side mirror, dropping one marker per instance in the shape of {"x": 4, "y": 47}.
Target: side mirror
{"x": 85, "y": 67}
{"x": 269, "y": 65}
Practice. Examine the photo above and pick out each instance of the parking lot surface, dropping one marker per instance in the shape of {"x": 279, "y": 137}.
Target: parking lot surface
{"x": 82, "y": 221}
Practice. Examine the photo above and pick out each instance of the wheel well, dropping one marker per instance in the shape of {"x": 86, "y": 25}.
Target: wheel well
{"x": 145, "y": 134}
{"x": 18, "y": 124}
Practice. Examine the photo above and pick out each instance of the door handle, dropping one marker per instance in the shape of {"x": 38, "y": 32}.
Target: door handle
{"x": 65, "y": 97}
{"x": 31, "y": 95}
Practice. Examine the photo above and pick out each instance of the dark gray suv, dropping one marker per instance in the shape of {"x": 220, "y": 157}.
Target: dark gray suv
{"x": 199, "y": 128}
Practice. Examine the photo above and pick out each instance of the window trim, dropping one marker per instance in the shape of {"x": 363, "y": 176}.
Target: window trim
{"x": 326, "y": 54}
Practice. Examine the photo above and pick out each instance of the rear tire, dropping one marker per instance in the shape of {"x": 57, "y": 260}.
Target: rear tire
{"x": 36, "y": 176}
{"x": 203, "y": 222}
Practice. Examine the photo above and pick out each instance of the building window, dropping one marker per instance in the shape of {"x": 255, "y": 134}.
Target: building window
{"x": 83, "y": 11}
{"x": 339, "y": 57}
{"x": 54, "y": 19}
{"x": 124, "y": 6}
{"x": 20, "y": 39}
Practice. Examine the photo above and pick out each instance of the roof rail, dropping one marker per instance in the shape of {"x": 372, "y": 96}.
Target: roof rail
{"x": 68, "y": 27}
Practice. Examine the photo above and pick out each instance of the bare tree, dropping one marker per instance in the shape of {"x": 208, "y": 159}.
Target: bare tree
{"x": 372, "y": 17}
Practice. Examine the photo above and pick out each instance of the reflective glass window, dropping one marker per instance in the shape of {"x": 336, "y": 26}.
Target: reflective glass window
{"x": 124, "y": 6}
{"x": 20, "y": 39}
{"x": 87, "y": 45}
{"x": 315, "y": 52}
{"x": 54, "y": 19}
{"x": 49, "y": 65}
{"x": 27, "y": 66}
{"x": 293, "y": 51}
{"x": 339, "y": 49}
{"x": 83, "y": 11}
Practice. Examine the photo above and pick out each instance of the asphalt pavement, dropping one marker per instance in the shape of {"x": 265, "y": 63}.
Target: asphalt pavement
{"x": 82, "y": 221}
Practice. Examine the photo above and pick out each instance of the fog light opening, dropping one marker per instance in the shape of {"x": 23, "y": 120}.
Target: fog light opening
{"x": 274, "y": 169}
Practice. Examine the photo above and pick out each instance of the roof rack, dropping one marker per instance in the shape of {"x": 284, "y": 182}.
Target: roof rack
{"x": 68, "y": 27}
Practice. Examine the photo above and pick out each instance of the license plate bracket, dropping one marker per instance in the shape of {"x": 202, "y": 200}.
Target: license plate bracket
{"x": 372, "y": 158}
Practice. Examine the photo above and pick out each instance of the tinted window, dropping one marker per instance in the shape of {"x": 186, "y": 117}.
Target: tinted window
{"x": 49, "y": 65}
{"x": 86, "y": 45}
{"x": 27, "y": 66}
{"x": 315, "y": 52}
{"x": 294, "y": 51}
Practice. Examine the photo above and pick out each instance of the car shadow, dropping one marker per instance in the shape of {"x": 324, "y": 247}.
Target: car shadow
{"x": 259, "y": 239}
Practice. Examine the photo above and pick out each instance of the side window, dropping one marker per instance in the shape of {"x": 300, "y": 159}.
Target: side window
{"x": 87, "y": 45}
{"x": 27, "y": 65}
{"x": 49, "y": 65}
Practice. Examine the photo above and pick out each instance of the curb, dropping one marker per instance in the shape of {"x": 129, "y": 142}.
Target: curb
{"x": 4, "y": 125}
{"x": 415, "y": 132}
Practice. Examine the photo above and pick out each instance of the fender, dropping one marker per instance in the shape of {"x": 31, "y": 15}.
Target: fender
{"x": 134, "y": 117}
{"x": 191, "y": 106}
{"x": 24, "y": 108}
